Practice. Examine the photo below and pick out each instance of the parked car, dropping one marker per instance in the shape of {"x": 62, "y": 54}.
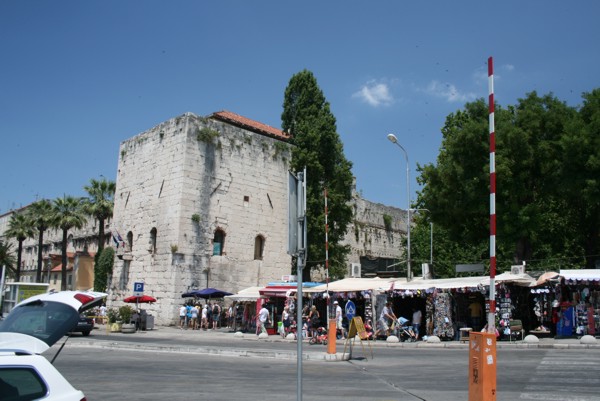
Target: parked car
{"x": 31, "y": 328}
{"x": 84, "y": 325}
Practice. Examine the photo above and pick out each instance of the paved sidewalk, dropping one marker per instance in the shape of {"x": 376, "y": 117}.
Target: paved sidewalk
{"x": 226, "y": 342}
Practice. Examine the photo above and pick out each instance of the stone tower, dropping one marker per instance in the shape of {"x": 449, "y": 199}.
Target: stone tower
{"x": 200, "y": 202}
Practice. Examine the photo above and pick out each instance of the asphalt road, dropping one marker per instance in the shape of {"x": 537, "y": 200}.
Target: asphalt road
{"x": 392, "y": 374}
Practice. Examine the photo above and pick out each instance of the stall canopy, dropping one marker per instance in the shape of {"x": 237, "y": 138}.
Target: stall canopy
{"x": 581, "y": 275}
{"x": 354, "y": 284}
{"x": 206, "y": 293}
{"x": 285, "y": 289}
{"x": 246, "y": 295}
{"x": 463, "y": 282}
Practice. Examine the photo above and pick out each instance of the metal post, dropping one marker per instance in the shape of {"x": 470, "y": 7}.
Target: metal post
{"x": 393, "y": 139}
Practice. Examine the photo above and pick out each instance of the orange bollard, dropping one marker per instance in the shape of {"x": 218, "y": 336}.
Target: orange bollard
{"x": 482, "y": 366}
{"x": 331, "y": 337}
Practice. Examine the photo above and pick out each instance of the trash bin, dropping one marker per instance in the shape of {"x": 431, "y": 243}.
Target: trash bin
{"x": 149, "y": 322}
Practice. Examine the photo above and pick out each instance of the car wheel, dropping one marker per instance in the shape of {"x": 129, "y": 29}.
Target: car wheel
{"x": 85, "y": 333}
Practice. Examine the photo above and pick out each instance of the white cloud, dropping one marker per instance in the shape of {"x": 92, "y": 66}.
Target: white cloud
{"x": 375, "y": 93}
{"x": 449, "y": 92}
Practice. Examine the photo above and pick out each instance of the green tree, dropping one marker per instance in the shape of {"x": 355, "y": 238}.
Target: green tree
{"x": 99, "y": 205}
{"x": 538, "y": 220}
{"x": 580, "y": 178}
{"x": 39, "y": 214}
{"x": 7, "y": 259}
{"x": 19, "y": 228}
{"x": 317, "y": 146}
{"x": 103, "y": 269}
{"x": 68, "y": 213}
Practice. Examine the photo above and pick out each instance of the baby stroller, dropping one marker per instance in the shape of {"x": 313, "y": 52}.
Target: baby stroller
{"x": 320, "y": 337}
{"x": 404, "y": 332}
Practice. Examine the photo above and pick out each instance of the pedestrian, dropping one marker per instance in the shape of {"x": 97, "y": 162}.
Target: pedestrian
{"x": 182, "y": 313}
{"x": 263, "y": 318}
{"x": 209, "y": 317}
{"x": 385, "y": 319}
{"x": 204, "y": 318}
{"x": 315, "y": 320}
{"x": 416, "y": 321}
{"x": 216, "y": 315}
{"x": 339, "y": 318}
{"x": 285, "y": 321}
{"x": 194, "y": 313}
{"x": 188, "y": 315}
{"x": 103, "y": 314}
{"x": 230, "y": 317}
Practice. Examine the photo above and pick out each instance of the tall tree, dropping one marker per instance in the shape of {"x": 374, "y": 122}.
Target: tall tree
{"x": 100, "y": 205}
{"x": 580, "y": 178}
{"x": 307, "y": 117}
{"x": 40, "y": 215}
{"x": 103, "y": 269}
{"x": 68, "y": 213}
{"x": 19, "y": 228}
{"x": 7, "y": 259}
{"x": 538, "y": 221}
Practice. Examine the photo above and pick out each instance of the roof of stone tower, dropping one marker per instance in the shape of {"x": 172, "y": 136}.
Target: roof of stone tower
{"x": 249, "y": 124}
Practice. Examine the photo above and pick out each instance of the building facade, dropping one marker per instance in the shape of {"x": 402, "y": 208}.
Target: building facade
{"x": 203, "y": 202}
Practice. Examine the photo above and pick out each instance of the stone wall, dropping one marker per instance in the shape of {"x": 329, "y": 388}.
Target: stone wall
{"x": 187, "y": 178}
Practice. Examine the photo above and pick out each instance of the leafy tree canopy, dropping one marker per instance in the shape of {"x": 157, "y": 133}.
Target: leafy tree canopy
{"x": 547, "y": 169}
{"x": 308, "y": 118}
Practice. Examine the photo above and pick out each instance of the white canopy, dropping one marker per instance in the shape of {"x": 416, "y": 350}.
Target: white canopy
{"x": 247, "y": 294}
{"x": 353, "y": 284}
{"x": 581, "y": 274}
{"x": 463, "y": 282}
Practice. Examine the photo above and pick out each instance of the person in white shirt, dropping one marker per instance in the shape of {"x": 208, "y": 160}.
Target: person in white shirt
{"x": 339, "y": 318}
{"x": 204, "y": 317}
{"x": 263, "y": 318}
{"x": 182, "y": 316}
{"x": 385, "y": 319}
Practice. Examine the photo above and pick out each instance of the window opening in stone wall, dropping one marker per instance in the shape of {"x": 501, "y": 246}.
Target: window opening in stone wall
{"x": 259, "y": 246}
{"x": 129, "y": 246}
{"x": 152, "y": 248}
{"x": 218, "y": 242}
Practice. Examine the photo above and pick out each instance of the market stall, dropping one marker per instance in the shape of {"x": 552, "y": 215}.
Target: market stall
{"x": 244, "y": 308}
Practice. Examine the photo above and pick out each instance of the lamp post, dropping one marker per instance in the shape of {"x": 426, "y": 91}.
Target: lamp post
{"x": 394, "y": 140}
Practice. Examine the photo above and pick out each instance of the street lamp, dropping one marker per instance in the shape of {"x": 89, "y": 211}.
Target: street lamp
{"x": 394, "y": 140}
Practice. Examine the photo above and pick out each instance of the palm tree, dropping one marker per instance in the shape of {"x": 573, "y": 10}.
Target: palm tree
{"x": 40, "y": 216}
{"x": 19, "y": 228}
{"x": 100, "y": 204}
{"x": 67, "y": 213}
{"x": 7, "y": 260}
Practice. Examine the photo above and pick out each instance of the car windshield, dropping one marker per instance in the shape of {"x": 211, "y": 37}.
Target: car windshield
{"x": 45, "y": 320}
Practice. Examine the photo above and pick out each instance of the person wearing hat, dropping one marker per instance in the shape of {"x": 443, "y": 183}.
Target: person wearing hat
{"x": 338, "y": 318}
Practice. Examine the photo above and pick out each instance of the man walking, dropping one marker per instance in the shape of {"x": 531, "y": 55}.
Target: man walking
{"x": 263, "y": 318}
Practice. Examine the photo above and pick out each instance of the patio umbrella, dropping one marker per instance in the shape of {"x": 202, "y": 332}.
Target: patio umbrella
{"x": 142, "y": 299}
{"x": 206, "y": 293}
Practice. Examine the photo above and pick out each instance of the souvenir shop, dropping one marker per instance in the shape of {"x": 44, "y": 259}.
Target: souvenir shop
{"x": 363, "y": 292}
{"x": 448, "y": 305}
{"x": 567, "y": 304}
{"x": 278, "y": 295}
{"x": 244, "y": 305}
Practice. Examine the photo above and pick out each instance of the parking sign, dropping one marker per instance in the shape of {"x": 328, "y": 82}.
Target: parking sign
{"x": 138, "y": 289}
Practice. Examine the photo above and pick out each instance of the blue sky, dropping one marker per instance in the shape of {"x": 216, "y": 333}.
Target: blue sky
{"x": 79, "y": 77}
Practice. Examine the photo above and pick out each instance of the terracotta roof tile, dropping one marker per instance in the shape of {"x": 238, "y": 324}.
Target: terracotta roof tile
{"x": 249, "y": 124}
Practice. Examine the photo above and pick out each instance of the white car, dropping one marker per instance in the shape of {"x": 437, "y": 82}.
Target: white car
{"x": 31, "y": 328}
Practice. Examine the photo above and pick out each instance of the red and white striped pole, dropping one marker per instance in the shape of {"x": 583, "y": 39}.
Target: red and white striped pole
{"x": 492, "y": 299}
